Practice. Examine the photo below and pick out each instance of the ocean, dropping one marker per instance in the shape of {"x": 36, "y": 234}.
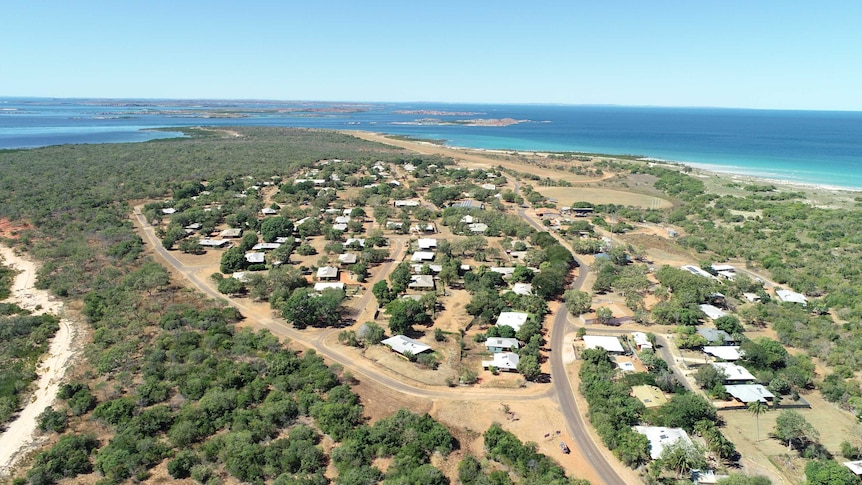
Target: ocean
{"x": 809, "y": 147}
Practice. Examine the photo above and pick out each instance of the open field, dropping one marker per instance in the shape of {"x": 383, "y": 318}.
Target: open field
{"x": 566, "y": 196}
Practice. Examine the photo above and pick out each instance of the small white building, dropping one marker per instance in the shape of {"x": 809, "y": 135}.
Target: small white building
{"x": 320, "y": 286}
{"x": 255, "y": 258}
{"x": 347, "y": 258}
{"x": 698, "y": 271}
{"x": 402, "y": 344}
{"x": 213, "y": 243}
{"x": 426, "y": 243}
{"x": 855, "y": 467}
{"x": 607, "y": 342}
{"x": 522, "y": 289}
{"x": 477, "y": 227}
{"x": 501, "y": 344}
{"x": 234, "y": 232}
{"x": 724, "y": 352}
{"x": 791, "y": 296}
{"x": 516, "y": 320}
{"x": 422, "y": 256}
{"x": 421, "y": 282}
{"x": 641, "y": 340}
{"x": 503, "y": 271}
{"x": 406, "y": 203}
{"x": 327, "y": 273}
{"x": 339, "y": 227}
{"x": 268, "y": 211}
{"x": 733, "y": 372}
{"x": 660, "y": 437}
{"x": 507, "y": 361}
{"x": 352, "y": 240}
{"x": 266, "y": 246}
{"x": 747, "y": 393}
{"x": 711, "y": 311}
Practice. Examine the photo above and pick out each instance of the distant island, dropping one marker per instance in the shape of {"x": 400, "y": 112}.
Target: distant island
{"x": 472, "y": 122}
{"x": 434, "y": 112}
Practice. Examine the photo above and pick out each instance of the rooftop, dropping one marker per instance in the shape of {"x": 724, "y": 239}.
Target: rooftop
{"x": 513, "y": 319}
{"x": 607, "y": 342}
{"x": 522, "y": 289}
{"x": 402, "y": 344}
{"x": 650, "y": 396}
{"x": 320, "y": 286}
{"x": 733, "y": 372}
{"x": 749, "y": 392}
{"x": 327, "y": 272}
{"x": 712, "y": 312}
{"x": 724, "y": 352}
{"x": 503, "y": 360}
{"x": 660, "y": 437}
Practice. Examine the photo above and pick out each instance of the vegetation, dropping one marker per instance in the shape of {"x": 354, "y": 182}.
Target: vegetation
{"x": 23, "y": 340}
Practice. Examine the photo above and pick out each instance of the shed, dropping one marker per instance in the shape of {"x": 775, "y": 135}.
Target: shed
{"x": 255, "y": 258}
{"x": 724, "y": 352}
{"x": 641, "y": 340}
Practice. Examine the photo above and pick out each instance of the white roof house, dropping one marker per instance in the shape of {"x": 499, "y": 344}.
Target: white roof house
{"x": 339, "y": 227}
{"x": 733, "y": 372}
{"x": 168, "y": 210}
{"x": 607, "y": 342}
{"x": 752, "y": 297}
{"x": 342, "y": 219}
{"x": 327, "y": 272}
{"x": 749, "y": 392}
{"x": 513, "y": 319}
{"x": 724, "y": 352}
{"x": 347, "y": 258}
{"x": 503, "y": 361}
{"x": 426, "y": 243}
{"x": 406, "y": 203}
{"x": 711, "y": 311}
{"x": 320, "y": 286}
{"x": 255, "y": 258}
{"x": 417, "y": 268}
{"x": 698, "y": 271}
{"x": 641, "y": 340}
{"x": 723, "y": 267}
{"x": 500, "y": 344}
{"x": 422, "y": 256}
{"x": 266, "y": 246}
{"x": 401, "y": 344}
{"x": 522, "y": 289}
{"x": 660, "y": 437}
{"x": 268, "y": 211}
{"x": 352, "y": 240}
{"x": 213, "y": 243}
{"x": 477, "y": 227}
{"x": 791, "y": 296}
{"x": 235, "y": 232}
{"x": 503, "y": 271}
{"x": 468, "y": 219}
{"x": 421, "y": 282}
{"x": 854, "y": 466}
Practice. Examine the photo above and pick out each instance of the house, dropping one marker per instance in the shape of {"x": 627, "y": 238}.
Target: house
{"x": 660, "y": 437}
{"x": 791, "y": 296}
{"x": 394, "y": 225}
{"x": 522, "y": 289}
{"x": 394, "y": 183}
{"x": 327, "y": 273}
{"x": 582, "y": 211}
{"x": 168, "y": 210}
{"x": 512, "y": 319}
{"x": 746, "y": 393}
{"x": 726, "y": 271}
{"x": 421, "y": 282}
{"x": 242, "y": 276}
{"x": 712, "y": 335}
{"x": 501, "y": 344}
{"x": 650, "y": 396}
{"x": 339, "y": 227}
{"x": 507, "y": 361}
{"x": 268, "y": 211}
{"x": 855, "y": 467}
{"x": 423, "y": 227}
{"x": 733, "y": 372}
{"x": 641, "y": 340}
{"x": 724, "y": 352}
{"x": 194, "y": 226}
{"x": 712, "y": 311}
{"x": 477, "y": 227}
{"x": 320, "y": 286}
{"x": 422, "y": 256}
{"x": 402, "y": 344}
{"x": 417, "y": 268}
{"x": 353, "y": 240}
{"x": 213, "y": 243}
{"x": 342, "y": 219}
{"x": 347, "y": 258}
{"x": 426, "y": 243}
{"x": 751, "y": 297}
{"x": 265, "y": 246}
{"x": 468, "y": 219}
{"x": 406, "y": 203}
{"x": 488, "y": 186}
{"x": 469, "y": 204}
{"x": 607, "y": 342}
{"x": 255, "y": 258}
{"x": 503, "y": 271}
{"x": 233, "y": 232}
{"x": 695, "y": 270}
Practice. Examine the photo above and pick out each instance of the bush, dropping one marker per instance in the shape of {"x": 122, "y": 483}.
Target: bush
{"x": 51, "y": 420}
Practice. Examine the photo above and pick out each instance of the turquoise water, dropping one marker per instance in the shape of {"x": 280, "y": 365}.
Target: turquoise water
{"x": 813, "y": 147}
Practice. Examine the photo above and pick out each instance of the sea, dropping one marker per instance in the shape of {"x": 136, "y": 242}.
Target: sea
{"x": 820, "y": 148}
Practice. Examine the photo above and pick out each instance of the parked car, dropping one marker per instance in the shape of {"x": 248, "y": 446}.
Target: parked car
{"x": 564, "y": 448}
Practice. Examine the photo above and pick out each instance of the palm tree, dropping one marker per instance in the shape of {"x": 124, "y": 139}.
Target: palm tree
{"x": 757, "y": 408}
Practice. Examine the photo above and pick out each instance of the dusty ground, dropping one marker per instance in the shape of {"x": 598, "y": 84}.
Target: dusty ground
{"x": 20, "y": 436}
{"x": 599, "y": 195}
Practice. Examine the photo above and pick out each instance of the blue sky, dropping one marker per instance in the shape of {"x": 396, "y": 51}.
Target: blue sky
{"x": 754, "y": 54}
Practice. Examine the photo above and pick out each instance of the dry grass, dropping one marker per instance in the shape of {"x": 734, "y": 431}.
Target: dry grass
{"x": 566, "y": 196}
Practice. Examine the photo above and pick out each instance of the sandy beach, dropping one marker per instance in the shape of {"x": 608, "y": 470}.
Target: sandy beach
{"x": 21, "y": 436}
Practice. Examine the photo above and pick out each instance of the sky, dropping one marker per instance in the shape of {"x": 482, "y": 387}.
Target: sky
{"x": 749, "y": 54}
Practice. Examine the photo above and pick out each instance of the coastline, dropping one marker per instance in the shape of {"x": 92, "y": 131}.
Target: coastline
{"x": 700, "y": 170}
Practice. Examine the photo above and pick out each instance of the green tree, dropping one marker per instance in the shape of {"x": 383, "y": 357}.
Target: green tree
{"x": 577, "y": 302}
{"x": 404, "y": 313}
{"x": 529, "y": 367}
{"x": 274, "y": 227}
{"x": 791, "y": 426}
{"x": 828, "y": 472}
{"x": 757, "y": 408}
{"x": 232, "y": 260}
{"x": 604, "y": 315}
{"x": 682, "y": 457}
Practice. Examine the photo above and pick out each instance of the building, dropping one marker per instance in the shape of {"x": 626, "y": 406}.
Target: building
{"x": 357, "y": 241}
{"x": 641, "y": 340}
{"x": 855, "y": 467}
{"x": 791, "y": 296}
{"x": 522, "y": 289}
{"x": 233, "y": 232}
{"x": 506, "y": 272}
{"x": 406, "y": 203}
{"x": 213, "y": 243}
{"x": 712, "y": 312}
{"x": 339, "y": 227}
{"x": 422, "y": 256}
{"x": 266, "y": 246}
{"x": 402, "y": 344}
{"x": 421, "y": 282}
{"x": 342, "y": 219}
{"x": 724, "y": 352}
{"x": 714, "y": 335}
{"x": 695, "y": 270}
{"x": 426, "y": 243}
{"x": 468, "y": 219}
{"x": 168, "y": 210}
{"x": 268, "y": 211}
{"x": 469, "y": 204}
{"x": 660, "y": 437}
{"x": 733, "y": 373}
{"x": 507, "y": 361}
{"x": 477, "y": 227}
{"x": 650, "y": 396}
{"x": 746, "y": 393}
{"x": 255, "y": 258}
{"x": 501, "y": 344}
{"x": 512, "y": 319}
{"x": 607, "y": 342}
{"x": 417, "y": 268}
{"x": 347, "y": 258}
{"x": 327, "y": 273}
{"x": 320, "y": 286}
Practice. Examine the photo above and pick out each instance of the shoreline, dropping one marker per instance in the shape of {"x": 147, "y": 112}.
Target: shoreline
{"x": 701, "y": 170}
